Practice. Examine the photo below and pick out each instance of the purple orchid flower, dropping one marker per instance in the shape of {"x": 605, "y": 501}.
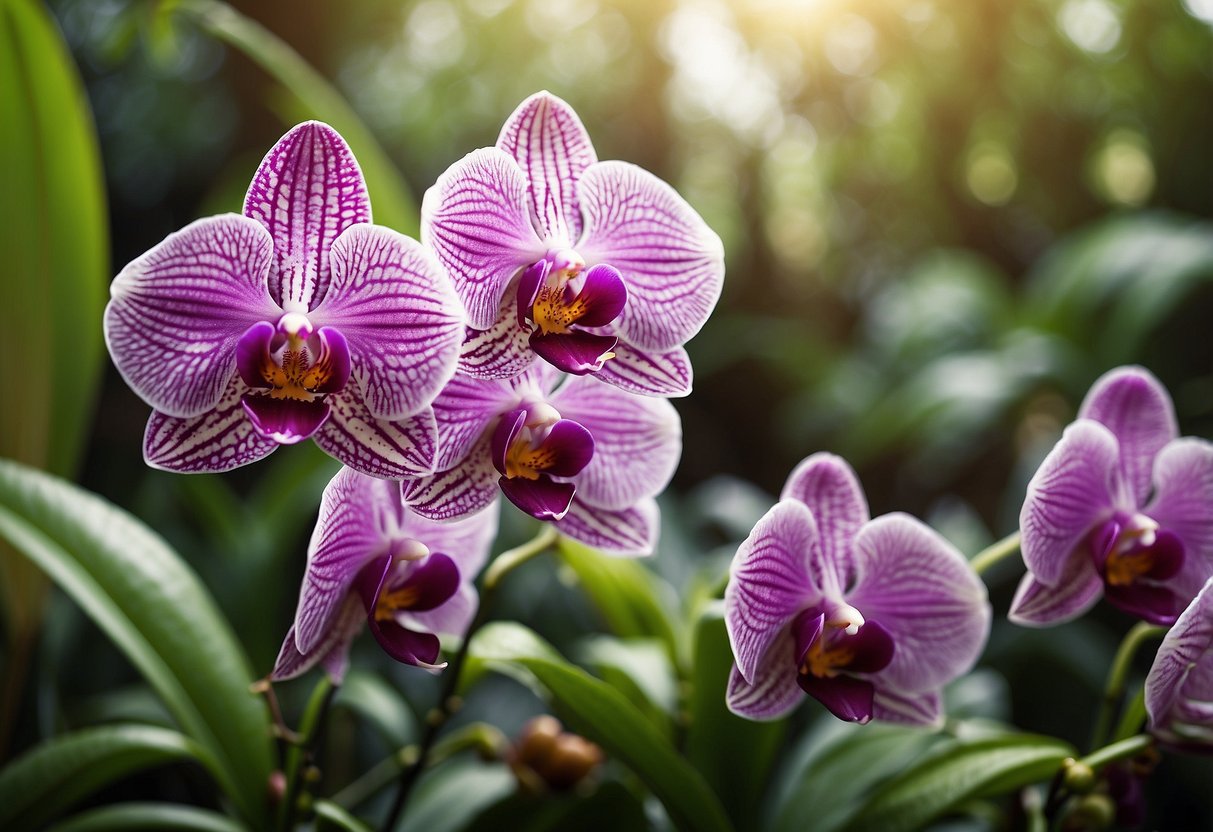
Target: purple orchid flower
{"x": 1119, "y": 506}
{"x": 372, "y": 560}
{"x": 296, "y": 319}
{"x": 577, "y": 261}
{"x": 587, "y": 456}
{"x": 869, "y": 617}
{"x": 1179, "y": 686}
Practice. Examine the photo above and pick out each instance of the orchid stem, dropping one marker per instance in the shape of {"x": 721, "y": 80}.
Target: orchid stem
{"x": 299, "y": 753}
{"x": 1114, "y": 689}
{"x": 448, "y": 703}
{"x": 1117, "y": 751}
{"x": 994, "y": 553}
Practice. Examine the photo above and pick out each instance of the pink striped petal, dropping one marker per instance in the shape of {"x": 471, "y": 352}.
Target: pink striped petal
{"x": 465, "y": 409}
{"x": 307, "y": 191}
{"x": 218, "y": 440}
{"x": 774, "y": 691}
{"x": 908, "y": 708}
{"x": 547, "y": 140}
{"x": 829, "y": 487}
{"x": 502, "y": 351}
{"x": 355, "y": 511}
{"x": 1038, "y": 604}
{"x": 177, "y": 312}
{"x": 770, "y": 584}
{"x": 637, "y": 442}
{"x": 476, "y": 218}
{"x": 466, "y": 541}
{"x": 647, "y": 373}
{"x": 1076, "y": 487}
{"x": 377, "y": 447}
{"x": 1179, "y": 686}
{"x": 920, "y": 589}
{"x": 467, "y": 488}
{"x": 629, "y": 532}
{"x": 671, "y": 262}
{"x": 1183, "y": 483}
{"x": 332, "y": 652}
{"x": 400, "y": 316}
{"x": 1134, "y": 405}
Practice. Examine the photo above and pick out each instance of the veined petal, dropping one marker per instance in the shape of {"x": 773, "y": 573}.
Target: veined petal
{"x": 176, "y": 313}
{"x": 332, "y": 652}
{"x": 476, "y": 218}
{"x": 629, "y": 532}
{"x": 907, "y": 708}
{"x": 377, "y": 447}
{"x": 1183, "y": 495}
{"x": 399, "y": 642}
{"x": 647, "y": 373}
{"x": 769, "y": 583}
{"x": 671, "y": 262}
{"x": 637, "y": 441}
{"x": 921, "y": 589}
{"x": 468, "y": 487}
{"x": 548, "y": 141}
{"x": 307, "y": 191}
{"x": 465, "y": 409}
{"x": 348, "y": 535}
{"x": 217, "y": 440}
{"x": 774, "y": 691}
{"x": 1182, "y": 673}
{"x": 1134, "y": 405}
{"x": 829, "y": 487}
{"x": 1037, "y": 604}
{"x": 502, "y": 351}
{"x": 1075, "y": 487}
{"x": 466, "y": 540}
{"x": 400, "y": 316}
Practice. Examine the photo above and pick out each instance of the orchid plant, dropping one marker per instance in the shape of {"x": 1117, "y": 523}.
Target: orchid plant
{"x": 529, "y": 346}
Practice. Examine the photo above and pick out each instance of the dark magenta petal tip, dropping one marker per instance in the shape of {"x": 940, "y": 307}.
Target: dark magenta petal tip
{"x": 543, "y": 499}
{"x": 846, "y": 697}
{"x": 252, "y": 351}
{"x": 285, "y": 421}
{"x": 603, "y": 294}
{"x": 872, "y": 647}
{"x": 335, "y": 355}
{"x": 434, "y": 580}
{"x": 504, "y": 435}
{"x": 576, "y": 353}
{"x": 570, "y": 447}
{"x": 1149, "y": 602}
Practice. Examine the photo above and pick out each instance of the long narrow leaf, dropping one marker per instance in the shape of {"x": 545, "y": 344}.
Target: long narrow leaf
{"x": 50, "y": 778}
{"x": 154, "y": 817}
{"x": 148, "y": 601}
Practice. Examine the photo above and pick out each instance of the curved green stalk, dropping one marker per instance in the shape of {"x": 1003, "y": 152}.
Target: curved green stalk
{"x": 995, "y": 553}
{"x": 1115, "y": 687}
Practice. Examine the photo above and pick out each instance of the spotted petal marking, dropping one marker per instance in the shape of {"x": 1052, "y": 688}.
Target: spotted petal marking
{"x": 377, "y": 447}
{"x": 177, "y": 312}
{"x": 547, "y": 139}
{"x": 671, "y": 262}
{"x": 219, "y": 440}
{"x": 307, "y": 191}
{"x": 400, "y": 316}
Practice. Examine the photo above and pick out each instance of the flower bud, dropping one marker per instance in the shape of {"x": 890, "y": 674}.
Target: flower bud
{"x": 547, "y": 758}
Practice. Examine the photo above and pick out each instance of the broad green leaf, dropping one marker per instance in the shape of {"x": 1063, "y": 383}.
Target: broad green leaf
{"x": 55, "y": 239}
{"x": 381, "y": 704}
{"x": 51, "y": 777}
{"x": 153, "y": 817}
{"x": 626, "y": 593}
{"x": 310, "y": 96}
{"x": 497, "y": 646}
{"x": 640, "y": 669}
{"x": 140, "y": 593}
{"x": 448, "y": 797}
{"x": 596, "y": 710}
{"x": 331, "y": 816}
{"x": 956, "y": 774}
{"x": 734, "y": 755}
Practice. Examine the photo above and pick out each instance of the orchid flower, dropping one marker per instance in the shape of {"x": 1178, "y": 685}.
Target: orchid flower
{"x": 869, "y": 617}
{"x": 1179, "y": 686}
{"x": 587, "y": 456}
{"x": 372, "y": 560}
{"x": 296, "y": 319}
{"x": 577, "y": 261}
{"x": 1120, "y": 507}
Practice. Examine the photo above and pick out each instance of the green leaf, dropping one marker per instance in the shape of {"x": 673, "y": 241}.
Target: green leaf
{"x": 448, "y": 797}
{"x": 50, "y": 778}
{"x": 624, "y": 591}
{"x": 331, "y": 816}
{"x": 381, "y": 704}
{"x": 957, "y": 774}
{"x": 146, "y": 599}
{"x": 160, "y": 817}
{"x": 310, "y": 96}
{"x": 734, "y": 755}
{"x": 596, "y": 710}
{"x": 640, "y": 669}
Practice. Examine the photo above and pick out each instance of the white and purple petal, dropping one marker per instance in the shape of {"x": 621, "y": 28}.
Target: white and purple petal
{"x": 1183, "y": 505}
{"x": 466, "y": 488}
{"x": 637, "y": 441}
{"x": 922, "y": 591}
{"x": 671, "y": 262}
{"x": 628, "y": 532}
{"x": 1134, "y": 405}
{"x": 451, "y": 618}
{"x": 829, "y": 487}
{"x": 332, "y": 652}
{"x": 220, "y": 439}
{"x": 548, "y": 141}
{"x": 770, "y": 583}
{"x": 1037, "y": 604}
{"x": 1179, "y": 686}
{"x": 1077, "y": 486}
{"x": 306, "y": 192}
{"x": 645, "y": 373}
{"x": 177, "y": 313}
{"x": 502, "y": 351}
{"x": 773, "y": 691}
{"x": 476, "y": 218}
{"x": 399, "y": 314}
{"x": 465, "y": 409}
{"x": 907, "y": 708}
{"x": 466, "y": 541}
{"x": 377, "y": 447}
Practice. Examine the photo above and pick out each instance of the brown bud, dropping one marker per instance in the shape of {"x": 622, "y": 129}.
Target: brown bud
{"x": 545, "y": 757}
